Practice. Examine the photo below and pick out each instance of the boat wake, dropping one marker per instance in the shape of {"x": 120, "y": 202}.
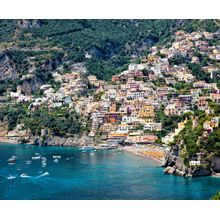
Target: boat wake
{"x": 43, "y": 174}
{"x": 10, "y": 177}
{"x": 23, "y": 175}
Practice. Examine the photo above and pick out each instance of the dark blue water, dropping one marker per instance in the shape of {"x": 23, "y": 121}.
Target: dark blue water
{"x": 93, "y": 175}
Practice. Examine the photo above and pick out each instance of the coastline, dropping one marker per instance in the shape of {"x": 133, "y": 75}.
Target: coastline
{"x": 151, "y": 152}
{"x": 7, "y": 140}
{"x": 129, "y": 149}
{"x": 142, "y": 153}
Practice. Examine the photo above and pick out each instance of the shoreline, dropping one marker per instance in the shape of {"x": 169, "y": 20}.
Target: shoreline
{"x": 141, "y": 152}
{"x": 128, "y": 149}
{"x": 6, "y": 140}
{"x": 134, "y": 151}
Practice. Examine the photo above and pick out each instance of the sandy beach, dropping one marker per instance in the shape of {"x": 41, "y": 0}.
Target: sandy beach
{"x": 154, "y": 153}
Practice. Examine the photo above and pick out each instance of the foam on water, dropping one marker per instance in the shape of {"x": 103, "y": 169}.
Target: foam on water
{"x": 10, "y": 177}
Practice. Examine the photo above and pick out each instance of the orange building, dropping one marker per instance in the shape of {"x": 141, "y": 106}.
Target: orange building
{"x": 146, "y": 111}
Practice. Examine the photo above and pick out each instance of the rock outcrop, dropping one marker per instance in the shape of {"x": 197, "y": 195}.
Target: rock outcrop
{"x": 7, "y": 70}
{"x": 29, "y": 23}
{"x": 61, "y": 141}
{"x": 174, "y": 164}
{"x": 29, "y": 84}
{"x": 215, "y": 164}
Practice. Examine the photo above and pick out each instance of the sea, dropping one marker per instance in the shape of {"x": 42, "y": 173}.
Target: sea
{"x": 65, "y": 173}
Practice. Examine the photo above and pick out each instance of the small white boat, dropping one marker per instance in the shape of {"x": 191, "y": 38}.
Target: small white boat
{"x": 28, "y": 162}
{"x": 87, "y": 148}
{"x": 36, "y": 158}
{"x": 24, "y": 175}
{"x": 56, "y": 157}
{"x": 44, "y": 158}
{"x": 10, "y": 177}
{"x": 44, "y": 164}
{"x": 11, "y": 161}
{"x": 56, "y": 160}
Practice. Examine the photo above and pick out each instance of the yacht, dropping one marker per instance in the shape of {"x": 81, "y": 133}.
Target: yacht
{"x": 11, "y": 161}
{"x": 36, "y": 158}
{"x": 56, "y": 157}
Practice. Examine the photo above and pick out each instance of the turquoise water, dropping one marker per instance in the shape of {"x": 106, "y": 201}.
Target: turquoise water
{"x": 93, "y": 175}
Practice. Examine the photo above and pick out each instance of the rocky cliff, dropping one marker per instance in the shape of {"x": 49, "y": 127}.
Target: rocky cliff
{"x": 174, "y": 164}
{"x": 7, "y": 69}
{"x": 48, "y": 140}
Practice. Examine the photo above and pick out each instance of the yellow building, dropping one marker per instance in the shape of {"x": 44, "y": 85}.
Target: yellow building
{"x": 146, "y": 111}
{"x": 113, "y": 107}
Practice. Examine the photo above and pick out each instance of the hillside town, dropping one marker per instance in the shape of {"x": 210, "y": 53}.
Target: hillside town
{"x": 126, "y": 110}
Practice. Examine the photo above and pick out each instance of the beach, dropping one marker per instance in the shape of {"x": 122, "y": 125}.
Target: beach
{"x": 152, "y": 152}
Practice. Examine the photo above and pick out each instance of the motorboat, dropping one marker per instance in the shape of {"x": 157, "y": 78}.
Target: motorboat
{"x": 44, "y": 158}
{"x": 24, "y": 175}
{"x": 10, "y": 177}
{"x": 56, "y": 160}
{"x": 56, "y": 157}
{"x": 28, "y": 162}
{"x": 11, "y": 161}
{"x": 87, "y": 148}
{"x": 44, "y": 164}
{"x": 36, "y": 158}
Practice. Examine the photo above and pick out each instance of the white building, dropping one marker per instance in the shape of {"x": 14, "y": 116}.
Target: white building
{"x": 194, "y": 163}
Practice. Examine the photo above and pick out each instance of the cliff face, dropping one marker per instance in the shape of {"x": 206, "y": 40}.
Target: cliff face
{"x": 7, "y": 70}
{"x": 215, "y": 164}
{"x": 31, "y": 23}
{"x": 174, "y": 164}
{"x": 49, "y": 140}
{"x": 66, "y": 142}
{"x": 30, "y": 80}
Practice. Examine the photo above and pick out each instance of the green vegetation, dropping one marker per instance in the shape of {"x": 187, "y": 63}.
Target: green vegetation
{"x": 111, "y": 43}
{"x": 13, "y": 115}
{"x": 169, "y": 123}
{"x": 192, "y": 139}
{"x": 216, "y": 196}
{"x": 198, "y": 72}
{"x": 58, "y": 121}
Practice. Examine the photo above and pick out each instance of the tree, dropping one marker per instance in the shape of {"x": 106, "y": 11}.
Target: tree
{"x": 216, "y": 196}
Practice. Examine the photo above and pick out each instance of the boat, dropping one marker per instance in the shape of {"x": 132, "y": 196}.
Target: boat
{"x": 36, "y": 158}
{"x": 28, "y": 162}
{"x": 44, "y": 164}
{"x": 56, "y": 160}
{"x": 11, "y": 161}
{"x": 24, "y": 175}
{"x": 44, "y": 158}
{"x": 56, "y": 157}
{"x": 10, "y": 177}
{"x": 87, "y": 148}
{"x": 113, "y": 146}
